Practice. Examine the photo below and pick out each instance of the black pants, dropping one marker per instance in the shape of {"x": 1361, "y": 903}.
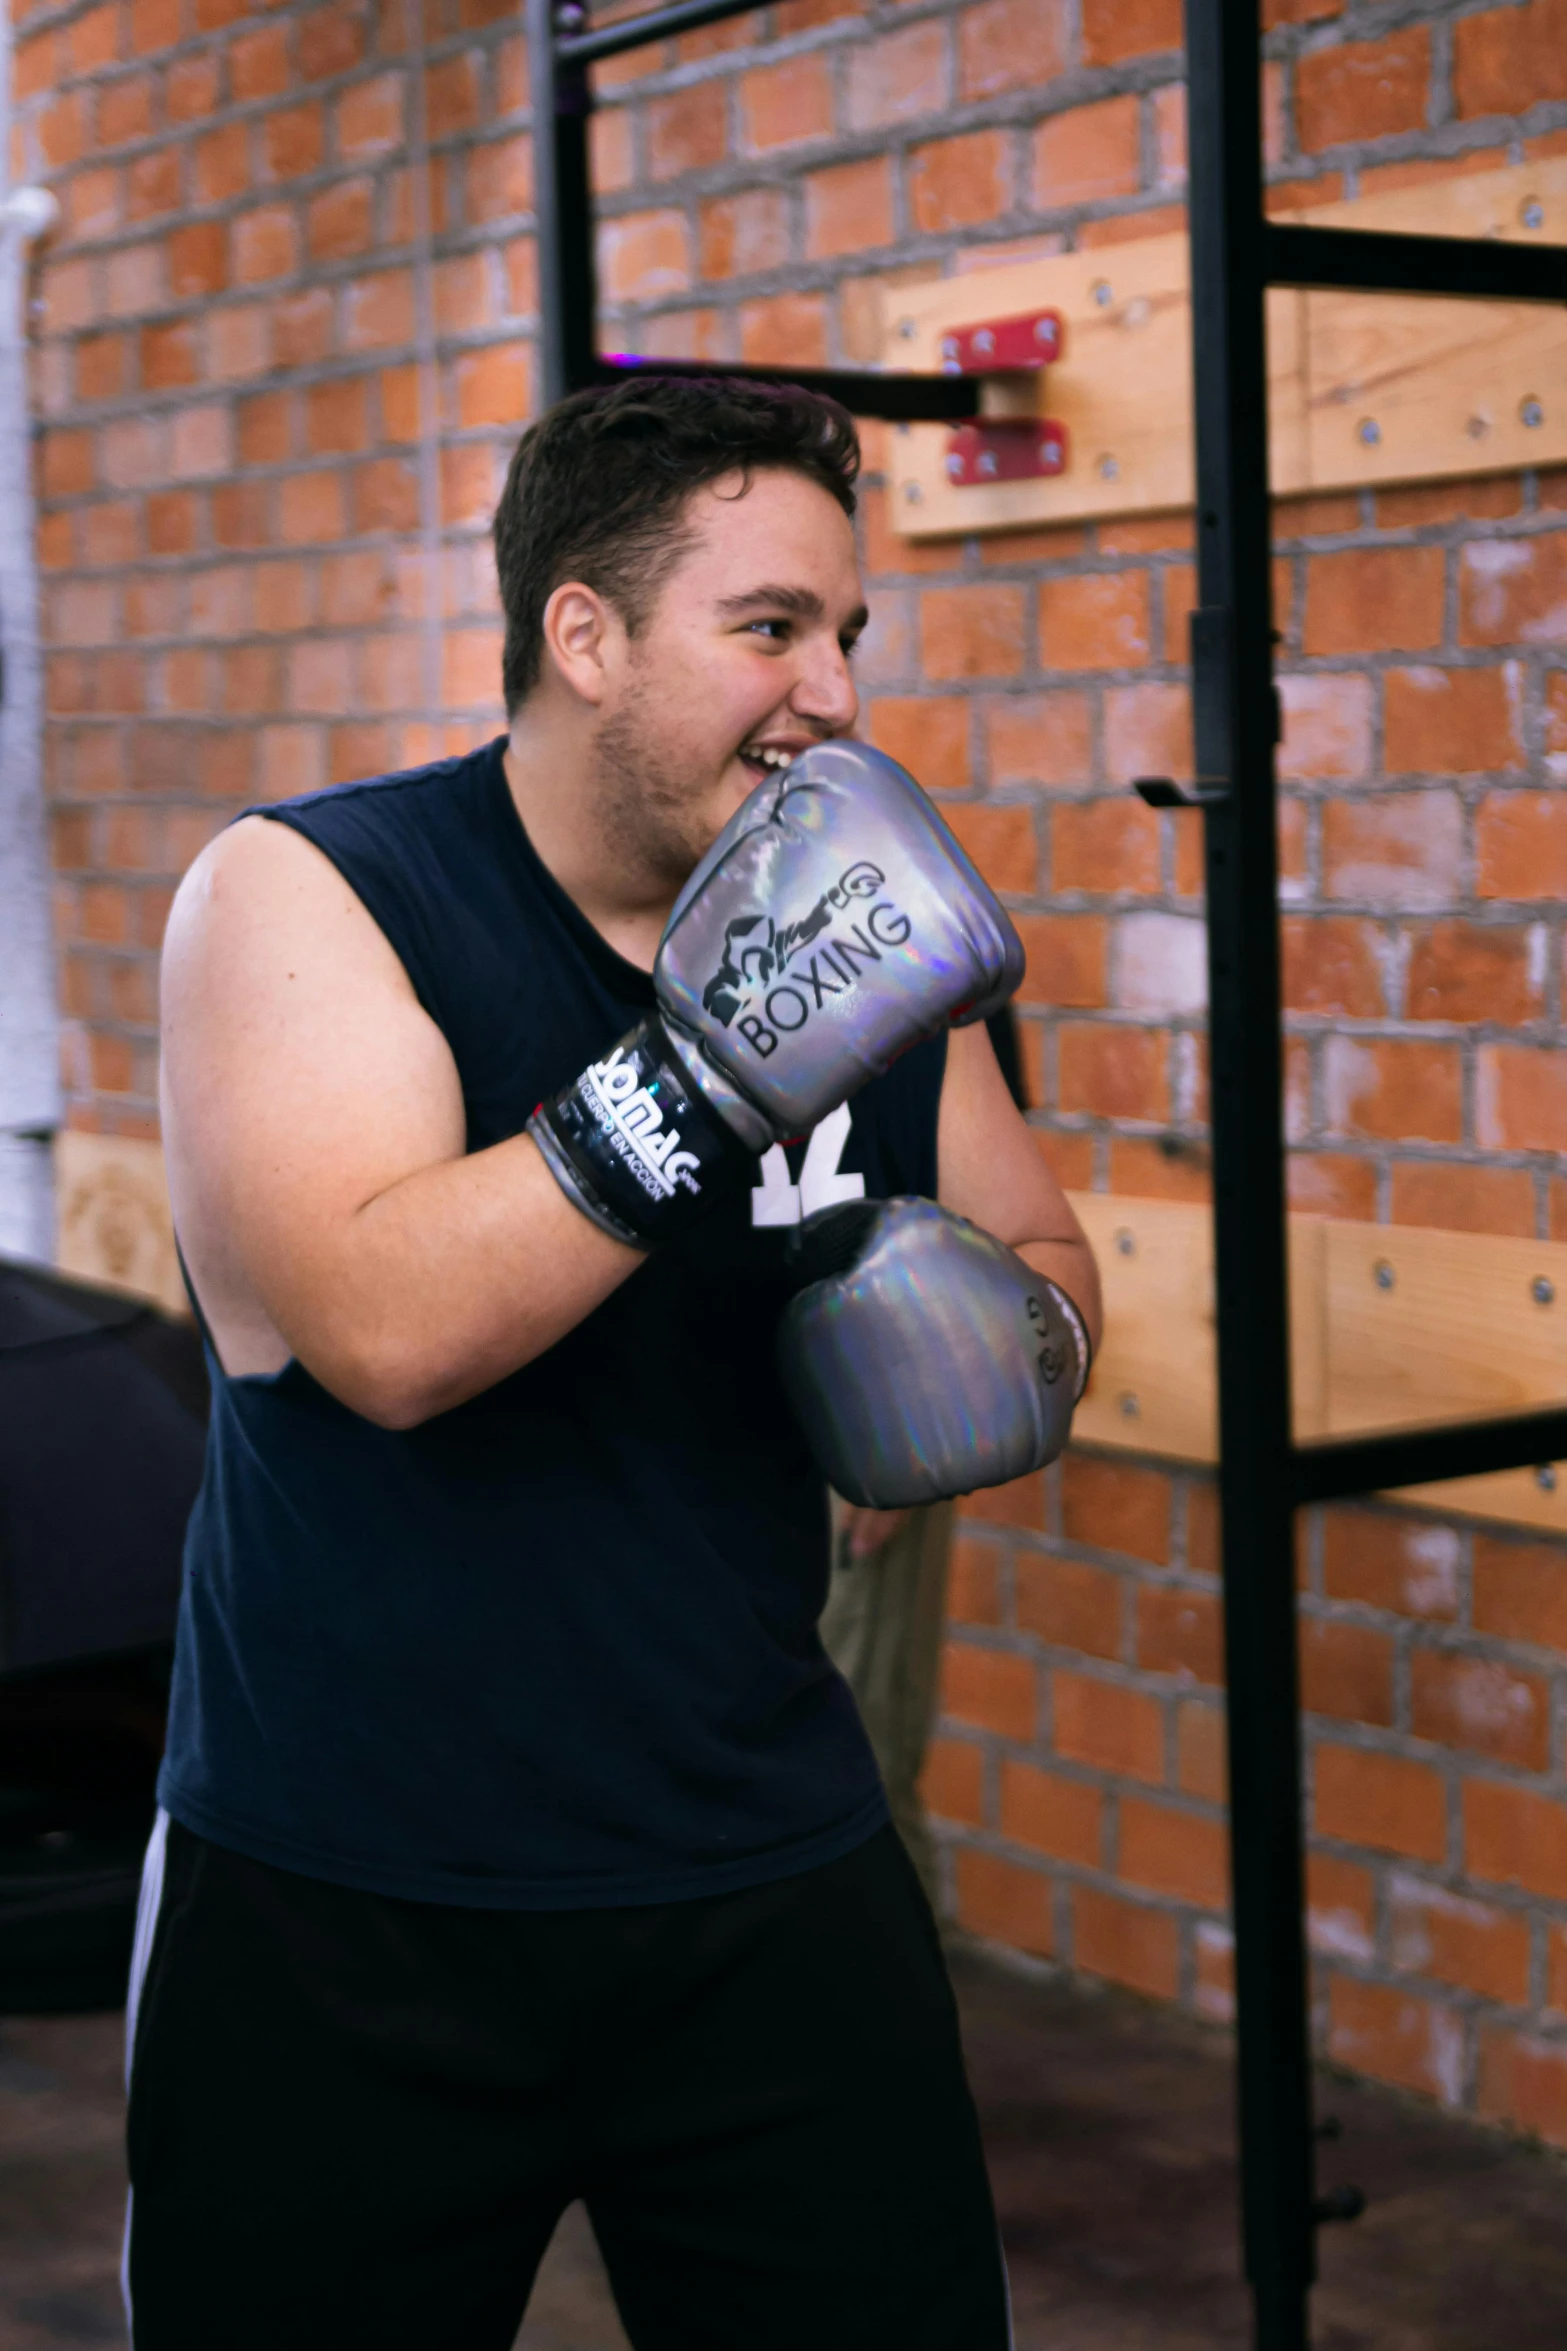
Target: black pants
{"x": 355, "y": 2122}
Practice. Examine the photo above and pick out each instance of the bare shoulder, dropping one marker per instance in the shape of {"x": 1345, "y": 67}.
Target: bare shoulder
{"x": 260, "y": 894}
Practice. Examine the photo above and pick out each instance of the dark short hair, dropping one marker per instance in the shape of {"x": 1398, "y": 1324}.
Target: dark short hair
{"x": 597, "y": 489}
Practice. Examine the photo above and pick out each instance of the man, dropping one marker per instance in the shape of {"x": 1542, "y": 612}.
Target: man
{"x": 520, "y": 1842}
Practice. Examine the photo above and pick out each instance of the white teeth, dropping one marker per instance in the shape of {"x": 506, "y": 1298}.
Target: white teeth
{"x": 771, "y": 757}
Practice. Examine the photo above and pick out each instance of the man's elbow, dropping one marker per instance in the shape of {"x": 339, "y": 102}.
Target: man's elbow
{"x": 388, "y": 1383}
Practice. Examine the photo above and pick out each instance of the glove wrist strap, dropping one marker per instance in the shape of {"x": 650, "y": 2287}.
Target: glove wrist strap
{"x": 633, "y": 1144}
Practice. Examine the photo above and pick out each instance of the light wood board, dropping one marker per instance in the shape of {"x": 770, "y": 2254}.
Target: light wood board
{"x": 1445, "y": 385}
{"x": 112, "y": 1217}
{"x": 1391, "y": 1326}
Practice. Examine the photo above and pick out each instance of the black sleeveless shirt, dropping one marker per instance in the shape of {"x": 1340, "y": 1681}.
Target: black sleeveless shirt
{"x": 557, "y": 1647}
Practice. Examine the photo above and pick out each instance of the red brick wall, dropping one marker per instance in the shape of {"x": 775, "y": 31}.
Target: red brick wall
{"x": 283, "y": 343}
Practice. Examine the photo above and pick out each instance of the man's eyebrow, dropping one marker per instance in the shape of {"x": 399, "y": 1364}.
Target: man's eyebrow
{"x": 804, "y": 602}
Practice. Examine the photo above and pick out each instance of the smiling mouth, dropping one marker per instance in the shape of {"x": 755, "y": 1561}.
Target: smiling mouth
{"x": 765, "y": 759}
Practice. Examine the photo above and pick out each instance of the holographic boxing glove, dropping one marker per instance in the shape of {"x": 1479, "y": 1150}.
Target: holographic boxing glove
{"x": 833, "y": 923}
{"x": 922, "y": 1358}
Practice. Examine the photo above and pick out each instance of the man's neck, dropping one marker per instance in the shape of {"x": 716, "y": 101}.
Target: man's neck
{"x": 551, "y": 787}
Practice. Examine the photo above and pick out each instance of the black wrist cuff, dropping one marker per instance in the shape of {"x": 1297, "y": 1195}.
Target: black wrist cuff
{"x": 632, "y": 1142}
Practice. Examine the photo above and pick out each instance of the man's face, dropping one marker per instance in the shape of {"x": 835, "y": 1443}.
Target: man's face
{"x": 742, "y": 663}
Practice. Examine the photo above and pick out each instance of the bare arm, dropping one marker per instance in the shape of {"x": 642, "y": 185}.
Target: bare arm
{"x": 989, "y": 1169}
{"x": 315, "y": 1132}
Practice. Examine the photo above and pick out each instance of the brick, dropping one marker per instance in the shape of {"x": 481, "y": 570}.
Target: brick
{"x": 952, "y": 1783}
{"x": 1088, "y": 153}
{"x": 1147, "y": 731}
{"x": 1523, "y": 2078}
{"x": 1346, "y": 1671}
{"x": 784, "y": 330}
{"x": 1394, "y": 1089}
{"x": 741, "y": 234}
{"x": 1340, "y": 1908}
{"x": 190, "y": 89}
{"x": 494, "y": 386}
{"x": 1514, "y": 591}
{"x": 1520, "y": 1591}
{"x": 1200, "y": 1765}
{"x": 1327, "y": 726}
{"x": 266, "y": 245}
{"x": 154, "y": 24}
{"x": 930, "y": 732}
{"x": 124, "y": 111}
{"x": 849, "y": 208}
{"x": 1506, "y": 60}
{"x": 1374, "y": 599}
{"x": 1520, "y": 1099}
{"x": 1169, "y": 132}
{"x": 1481, "y": 1705}
{"x": 1168, "y": 1851}
{"x": 991, "y": 1688}
{"x": 1039, "y": 739}
{"x": 1000, "y": 841}
{"x": 1556, "y": 723}
{"x": 1104, "y": 845}
{"x": 1019, "y": 1503}
{"x": 1453, "y": 721}
{"x": 303, "y": 327}
{"x": 1162, "y": 1169}
{"x": 171, "y": 523}
{"x": 1067, "y": 959}
{"x": 283, "y": 597}
{"x": 687, "y": 130}
{"x": 1362, "y": 89}
{"x": 1011, "y": 45}
{"x": 1417, "y": 505}
{"x": 522, "y": 277}
{"x": 258, "y": 63}
{"x": 91, "y": 202}
{"x": 1468, "y": 971}
{"x": 453, "y": 102}
{"x": 1463, "y": 1199}
{"x": 1058, "y": 1816}
{"x": 973, "y": 1582}
{"x": 643, "y": 255}
{"x": 1114, "y": 30}
{"x": 109, "y": 532}
{"x": 102, "y": 367}
{"x": 1402, "y": 849}
{"x": 1097, "y": 621}
{"x": 1069, "y": 1604}
{"x": 780, "y": 105}
{"x": 340, "y": 222}
{"x": 1179, "y": 1632}
{"x": 1396, "y": 2037}
{"x": 1108, "y": 1726}
{"x": 1116, "y": 1507}
{"x": 500, "y": 179}
{"x": 201, "y": 443}
{"x": 292, "y": 140}
{"x": 1125, "y": 1941}
{"x": 170, "y": 354}
{"x": 899, "y": 77}
{"x": 222, "y": 163}
{"x": 612, "y": 160}
{"x": 336, "y": 416}
{"x": 1069, "y": 1157}
{"x": 958, "y": 183}
{"x": 1513, "y": 1837}
{"x": 1392, "y": 1561}
{"x": 1113, "y": 1071}
{"x": 1009, "y": 1904}
{"x": 385, "y": 495}
{"x": 1331, "y": 965}
{"x": 369, "y": 117}
{"x": 1521, "y": 845}
{"x": 975, "y": 631}
{"x": 1384, "y": 1801}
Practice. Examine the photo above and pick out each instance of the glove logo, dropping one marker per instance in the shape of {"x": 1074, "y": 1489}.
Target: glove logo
{"x": 634, "y": 1123}
{"x": 758, "y": 950}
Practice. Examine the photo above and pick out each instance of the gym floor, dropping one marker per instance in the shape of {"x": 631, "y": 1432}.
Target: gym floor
{"x": 1111, "y": 2146}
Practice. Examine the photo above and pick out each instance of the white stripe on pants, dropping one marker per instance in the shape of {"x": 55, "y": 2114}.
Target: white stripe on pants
{"x": 149, "y": 1902}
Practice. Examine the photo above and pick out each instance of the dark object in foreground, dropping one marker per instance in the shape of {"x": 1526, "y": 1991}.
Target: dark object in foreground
{"x": 103, "y": 1405}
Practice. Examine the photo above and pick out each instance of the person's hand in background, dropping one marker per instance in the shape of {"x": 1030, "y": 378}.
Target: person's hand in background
{"x": 862, "y": 1531}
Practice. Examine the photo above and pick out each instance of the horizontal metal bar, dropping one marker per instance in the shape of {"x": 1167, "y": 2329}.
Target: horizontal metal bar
{"x": 635, "y": 32}
{"x": 897, "y": 399}
{"x": 1417, "y": 1457}
{"x": 1370, "y": 261}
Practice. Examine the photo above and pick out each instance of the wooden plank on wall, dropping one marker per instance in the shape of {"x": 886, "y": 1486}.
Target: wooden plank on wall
{"x": 113, "y": 1221}
{"x": 1362, "y": 387}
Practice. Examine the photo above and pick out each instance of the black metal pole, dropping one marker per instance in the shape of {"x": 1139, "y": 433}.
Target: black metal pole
{"x": 1236, "y": 729}
{"x": 563, "y": 210}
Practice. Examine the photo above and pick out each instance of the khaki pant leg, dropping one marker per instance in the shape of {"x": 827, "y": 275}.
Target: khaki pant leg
{"x": 883, "y": 1628}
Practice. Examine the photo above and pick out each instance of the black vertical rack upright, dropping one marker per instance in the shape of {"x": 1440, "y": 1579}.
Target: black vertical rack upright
{"x": 1237, "y": 253}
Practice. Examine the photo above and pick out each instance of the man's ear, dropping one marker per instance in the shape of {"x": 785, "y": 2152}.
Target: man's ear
{"x": 580, "y": 637}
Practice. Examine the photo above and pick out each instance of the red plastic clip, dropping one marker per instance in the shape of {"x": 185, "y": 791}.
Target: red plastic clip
{"x": 1005, "y": 449}
{"x": 1003, "y": 346}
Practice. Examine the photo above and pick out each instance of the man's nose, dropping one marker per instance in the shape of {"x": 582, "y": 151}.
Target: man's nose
{"x": 825, "y": 692}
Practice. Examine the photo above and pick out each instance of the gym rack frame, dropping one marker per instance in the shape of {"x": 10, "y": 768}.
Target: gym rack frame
{"x": 1237, "y": 253}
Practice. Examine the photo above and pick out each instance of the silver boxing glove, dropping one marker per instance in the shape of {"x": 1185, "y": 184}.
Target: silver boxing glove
{"x": 834, "y": 922}
{"x": 923, "y": 1358}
